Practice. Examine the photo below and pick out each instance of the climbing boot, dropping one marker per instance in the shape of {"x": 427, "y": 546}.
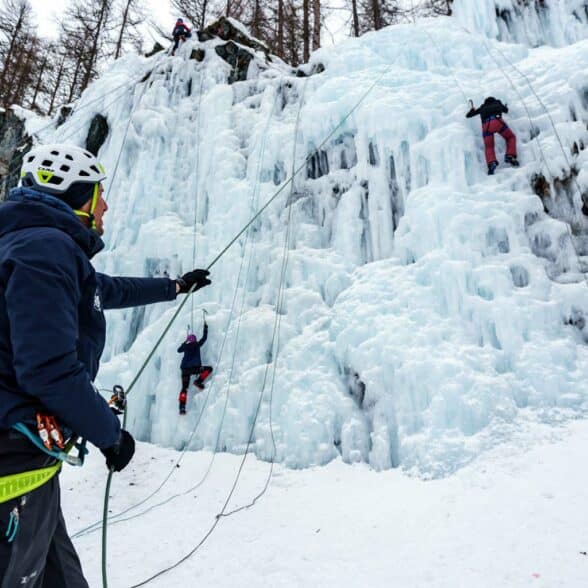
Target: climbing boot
{"x": 182, "y": 400}
{"x": 492, "y": 168}
{"x": 199, "y": 385}
{"x": 512, "y": 160}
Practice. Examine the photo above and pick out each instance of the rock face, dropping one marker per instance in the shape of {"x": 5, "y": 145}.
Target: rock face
{"x": 64, "y": 114}
{"x": 197, "y": 54}
{"x": 239, "y": 49}
{"x": 157, "y": 47}
{"x": 14, "y": 144}
{"x": 97, "y": 134}
{"x": 227, "y": 30}
{"x": 238, "y": 58}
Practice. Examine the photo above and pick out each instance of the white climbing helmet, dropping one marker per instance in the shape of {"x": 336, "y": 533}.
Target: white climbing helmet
{"x": 54, "y": 168}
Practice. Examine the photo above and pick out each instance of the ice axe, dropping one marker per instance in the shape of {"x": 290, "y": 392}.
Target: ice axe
{"x": 204, "y": 313}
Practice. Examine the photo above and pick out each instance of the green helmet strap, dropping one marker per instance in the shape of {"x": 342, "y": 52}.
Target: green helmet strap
{"x": 93, "y": 205}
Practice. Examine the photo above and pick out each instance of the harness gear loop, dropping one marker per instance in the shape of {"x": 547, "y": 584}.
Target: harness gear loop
{"x": 118, "y": 400}
{"x": 61, "y": 455}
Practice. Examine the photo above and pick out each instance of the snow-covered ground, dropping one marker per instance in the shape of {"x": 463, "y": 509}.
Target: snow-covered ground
{"x": 517, "y": 518}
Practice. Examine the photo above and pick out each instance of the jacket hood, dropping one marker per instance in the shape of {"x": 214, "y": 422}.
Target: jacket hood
{"x": 26, "y": 208}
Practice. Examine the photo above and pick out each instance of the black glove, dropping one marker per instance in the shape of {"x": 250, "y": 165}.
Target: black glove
{"x": 199, "y": 277}
{"x": 120, "y": 454}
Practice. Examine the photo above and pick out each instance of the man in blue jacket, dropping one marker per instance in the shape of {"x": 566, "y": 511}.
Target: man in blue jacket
{"x": 52, "y": 333}
{"x": 192, "y": 366}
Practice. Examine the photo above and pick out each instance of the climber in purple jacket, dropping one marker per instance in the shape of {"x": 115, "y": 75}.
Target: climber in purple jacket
{"x": 192, "y": 366}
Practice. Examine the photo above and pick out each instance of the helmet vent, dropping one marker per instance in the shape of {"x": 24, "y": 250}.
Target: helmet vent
{"x": 84, "y": 174}
{"x": 65, "y": 168}
{"x": 31, "y": 158}
{"x": 94, "y": 168}
{"x": 55, "y": 180}
{"x": 54, "y": 152}
{"x": 69, "y": 157}
{"x": 47, "y": 163}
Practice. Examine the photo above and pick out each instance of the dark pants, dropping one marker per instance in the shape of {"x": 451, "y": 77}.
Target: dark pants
{"x": 41, "y": 554}
{"x": 497, "y": 125}
{"x": 202, "y": 372}
{"x": 179, "y": 38}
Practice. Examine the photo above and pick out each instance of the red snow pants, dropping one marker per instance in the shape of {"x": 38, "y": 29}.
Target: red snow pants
{"x": 497, "y": 125}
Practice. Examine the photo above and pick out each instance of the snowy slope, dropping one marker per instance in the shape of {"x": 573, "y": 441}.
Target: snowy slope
{"x": 515, "y": 519}
{"x": 450, "y": 299}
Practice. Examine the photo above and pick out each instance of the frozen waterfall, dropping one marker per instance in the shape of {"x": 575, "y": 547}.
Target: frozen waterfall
{"x": 430, "y": 311}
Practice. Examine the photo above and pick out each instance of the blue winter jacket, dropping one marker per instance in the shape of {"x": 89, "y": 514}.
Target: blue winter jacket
{"x": 52, "y": 326}
{"x": 191, "y": 352}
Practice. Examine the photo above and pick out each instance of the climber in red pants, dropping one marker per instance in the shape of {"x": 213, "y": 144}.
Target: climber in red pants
{"x": 491, "y": 112}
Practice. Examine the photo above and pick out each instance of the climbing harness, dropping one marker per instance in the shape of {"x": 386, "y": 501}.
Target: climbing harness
{"x": 50, "y": 441}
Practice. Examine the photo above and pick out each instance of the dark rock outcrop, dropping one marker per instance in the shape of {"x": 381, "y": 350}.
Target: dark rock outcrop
{"x": 64, "y": 114}
{"x": 14, "y": 144}
{"x": 317, "y": 68}
{"x": 239, "y": 49}
{"x": 157, "y": 47}
{"x": 197, "y": 54}
{"x": 97, "y": 134}
{"x": 238, "y": 58}
{"x": 224, "y": 29}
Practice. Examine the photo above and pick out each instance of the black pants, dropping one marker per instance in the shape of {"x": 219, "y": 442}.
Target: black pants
{"x": 41, "y": 554}
{"x": 202, "y": 372}
{"x": 179, "y": 38}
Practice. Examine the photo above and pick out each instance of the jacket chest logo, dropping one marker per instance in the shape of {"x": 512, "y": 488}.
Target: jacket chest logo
{"x": 97, "y": 301}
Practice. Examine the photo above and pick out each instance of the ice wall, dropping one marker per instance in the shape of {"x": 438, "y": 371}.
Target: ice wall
{"x": 531, "y": 22}
{"x": 429, "y": 311}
